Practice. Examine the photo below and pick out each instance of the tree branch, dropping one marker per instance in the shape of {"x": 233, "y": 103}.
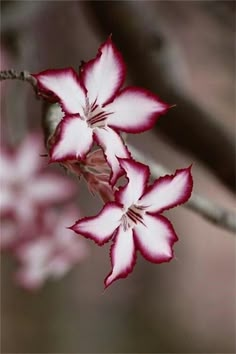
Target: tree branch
{"x": 12, "y": 74}
{"x": 208, "y": 210}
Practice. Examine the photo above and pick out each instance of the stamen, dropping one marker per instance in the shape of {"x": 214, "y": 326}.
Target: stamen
{"x": 132, "y": 217}
{"x": 94, "y": 114}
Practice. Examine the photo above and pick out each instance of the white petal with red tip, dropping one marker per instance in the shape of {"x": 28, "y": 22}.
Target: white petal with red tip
{"x": 74, "y": 140}
{"x": 65, "y": 84}
{"x": 168, "y": 191}
{"x": 104, "y": 75}
{"x": 101, "y": 227}
{"x": 113, "y": 147}
{"x": 134, "y": 110}
{"x": 137, "y": 175}
{"x": 155, "y": 238}
{"x": 122, "y": 255}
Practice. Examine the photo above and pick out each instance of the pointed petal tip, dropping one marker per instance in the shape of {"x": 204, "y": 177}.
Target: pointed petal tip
{"x": 169, "y": 191}
{"x": 110, "y": 280}
{"x": 187, "y": 170}
{"x": 66, "y": 87}
{"x": 190, "y": 167}
{"x": 122, "y": 255}
{"x": 107, "y": 283}
{"x": 70, "y": 227}
{"x": 135, "y": 110}
{"x": 108, "y": 64}
{"x": 100, "y": 228}
{"x": 51, "y": 73}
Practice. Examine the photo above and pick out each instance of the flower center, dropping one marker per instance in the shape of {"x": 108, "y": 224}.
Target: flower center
{"x": 95, "y": 115}
{"x": 132, "y": 217}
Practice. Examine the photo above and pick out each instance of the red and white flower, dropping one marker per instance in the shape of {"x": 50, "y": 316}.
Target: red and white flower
{"x": 51, "y": 252}
{"x": 96, "y": 108}
{"x": 24, "y": 186}
{"x": 134, "y": 219}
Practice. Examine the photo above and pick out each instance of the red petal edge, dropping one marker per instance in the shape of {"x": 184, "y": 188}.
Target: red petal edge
{"x": 55, "y": 72}
{"x": 87, "y": 66}
{"x": 186, "y": 195}
{"x": 128, "y": 269}
{"x": 58, "y": 134}
{"x": 152, "y": 118}
{"x": 90, "y": 235}
{"x": 141, "y": 167}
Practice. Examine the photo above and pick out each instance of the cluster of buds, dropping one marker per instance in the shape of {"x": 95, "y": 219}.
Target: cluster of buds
{"x": 93, "y": 111}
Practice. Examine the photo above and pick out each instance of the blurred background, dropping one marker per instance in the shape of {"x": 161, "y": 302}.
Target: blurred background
{"x": 183, "y": 51}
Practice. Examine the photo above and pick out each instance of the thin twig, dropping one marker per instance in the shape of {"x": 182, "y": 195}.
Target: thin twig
{"x": 12, "y": 74}
{"x": 207, "y": 209}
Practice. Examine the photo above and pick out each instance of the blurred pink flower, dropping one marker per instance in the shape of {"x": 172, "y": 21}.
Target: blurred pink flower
{"x": 52, "y": 253}
{"x": 25, "y": 188}
{"x": 9, "y": 233}
{"x": 134, "y": 220}
{"x": 96, "y": 108}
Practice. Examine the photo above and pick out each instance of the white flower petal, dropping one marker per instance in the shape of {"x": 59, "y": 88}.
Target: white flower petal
{"x": 65, "y": 84}
{"x": 135, "y": 110}
{"x": 73, "y": 141}
{"x": 155, "y": 238}
{"x": 113, "y": 147}
{"x": 168, "y": 191}
{"x": 100, "y": 228}
{"x": 104, "y": 75}
{"x": 138, "y": 175}
{"x": 122, "y": 255}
